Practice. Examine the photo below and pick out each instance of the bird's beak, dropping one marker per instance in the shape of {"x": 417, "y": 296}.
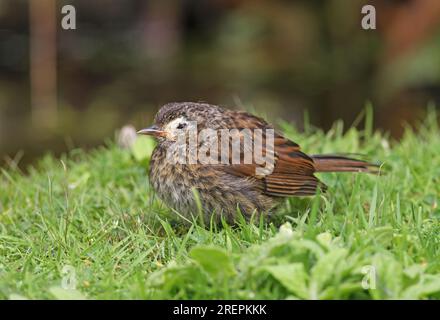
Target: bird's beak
{"x": 152, "y": 131}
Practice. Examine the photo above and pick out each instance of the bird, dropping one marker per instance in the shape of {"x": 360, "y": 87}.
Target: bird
{"x": 217, "y": 190}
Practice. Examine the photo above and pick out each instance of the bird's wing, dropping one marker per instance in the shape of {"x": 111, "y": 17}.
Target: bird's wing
{"x": 293, "y": 170}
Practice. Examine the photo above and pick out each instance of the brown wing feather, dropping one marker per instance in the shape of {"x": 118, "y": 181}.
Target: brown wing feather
{"x": 293, "y": 171}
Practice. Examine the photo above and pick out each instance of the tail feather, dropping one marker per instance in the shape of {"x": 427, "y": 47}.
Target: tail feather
{"x": 336, "y": 163}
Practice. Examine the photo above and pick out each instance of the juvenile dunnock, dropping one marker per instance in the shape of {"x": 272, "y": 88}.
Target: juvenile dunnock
{"x": 225, "y": 188}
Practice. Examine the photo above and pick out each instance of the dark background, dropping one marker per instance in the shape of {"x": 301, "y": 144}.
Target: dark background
{"x": 73, "y": 88}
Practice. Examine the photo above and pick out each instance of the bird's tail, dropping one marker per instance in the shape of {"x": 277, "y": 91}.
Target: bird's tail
{"x": 337, "y": 163}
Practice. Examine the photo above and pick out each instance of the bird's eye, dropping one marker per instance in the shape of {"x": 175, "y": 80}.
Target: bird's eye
{"x": 181, "y": 125}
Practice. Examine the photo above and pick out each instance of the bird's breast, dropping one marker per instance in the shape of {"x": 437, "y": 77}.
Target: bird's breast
{"x": 173, "y": 182}
{"x": 218, "y": 191}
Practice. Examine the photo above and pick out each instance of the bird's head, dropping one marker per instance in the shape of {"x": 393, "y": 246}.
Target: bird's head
{"x": 174, "y": 118}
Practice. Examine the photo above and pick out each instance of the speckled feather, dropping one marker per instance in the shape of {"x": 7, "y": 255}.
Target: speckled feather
{"x": 223, "y": 189}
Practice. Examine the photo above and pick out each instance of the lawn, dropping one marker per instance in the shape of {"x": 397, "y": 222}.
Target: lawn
{"x": 87, "y": 225}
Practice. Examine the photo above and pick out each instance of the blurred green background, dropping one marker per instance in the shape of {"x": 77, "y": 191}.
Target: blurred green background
{"x": 73, "y": 88}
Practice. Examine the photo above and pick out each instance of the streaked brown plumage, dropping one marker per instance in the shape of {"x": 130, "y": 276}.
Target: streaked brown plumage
{"x": 223, "y": 189}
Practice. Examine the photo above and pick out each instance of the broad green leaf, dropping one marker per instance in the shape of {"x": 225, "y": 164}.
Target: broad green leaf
{"x": 389, "y": 275}
{"x": 175, "y": 276}
{"x": 414, "y": 271}
{"x": 430, "y": 284}
{"x": 14, "y": 296}
{"x": 291, "y": 276}
{"x": 66, "y": 294}
{"x": 215, "y": 261}
{"x": 327, "y": 266}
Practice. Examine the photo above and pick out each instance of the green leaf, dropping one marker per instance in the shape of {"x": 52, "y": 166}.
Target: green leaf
{"x": 64, "y": 294}
{"x": 176, "y": 277}
{"x": 142, "y": 148}
{"x": 327, "y": 267}
{"x": 324, "y": 239}
{"x": 291, "y": 276}
{"x": 430, "y": 284}
{"x": 215, "y": 261}
{"x": 389, "y": 274}
{"x": 414, "y": 271}
{"x": 14, "y": 296}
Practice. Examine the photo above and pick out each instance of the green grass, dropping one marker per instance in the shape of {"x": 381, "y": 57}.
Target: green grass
{"x": 90, "y": 221}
